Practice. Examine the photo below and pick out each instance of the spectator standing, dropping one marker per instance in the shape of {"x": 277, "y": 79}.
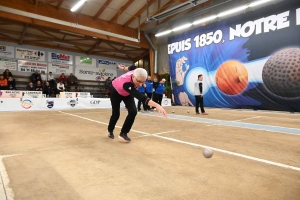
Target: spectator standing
{"x": 198, "y": 92}
{"x": 35, "y": 77}
{"x": 149, "y": 90}
{"x": 43, "y": 77}
{"x": 160, "y": 91}
{"x": 51, "y": 80}
{"x": 141, "y": 90}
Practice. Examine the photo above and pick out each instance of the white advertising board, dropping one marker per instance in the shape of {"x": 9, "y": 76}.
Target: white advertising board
{"x": 7, "y": 51}
{"x": 60, "y": 68}
{"x": 6, "y": 63}
{"x": 30, "y": 66}
{"x": 30, "y": 54}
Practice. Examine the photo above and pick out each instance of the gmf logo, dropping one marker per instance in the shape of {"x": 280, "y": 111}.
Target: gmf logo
{"x": 165, "y": 102}
{"x": 50, "y": 104}
{"x": 72, "y": 102}
{"x": 26, "y": 103}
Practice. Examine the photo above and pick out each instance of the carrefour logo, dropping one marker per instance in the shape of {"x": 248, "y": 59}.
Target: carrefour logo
{"x": 26, "y": 103}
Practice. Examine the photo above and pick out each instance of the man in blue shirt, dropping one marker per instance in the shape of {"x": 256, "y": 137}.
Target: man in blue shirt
{"x": 149, "y": 90}
{"x": 141, "y": 90}
{"x": 160, "y": 91}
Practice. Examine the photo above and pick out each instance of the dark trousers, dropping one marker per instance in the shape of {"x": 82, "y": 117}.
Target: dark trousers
{"x": 158, "y": 98}
{"x": 199, "y": 100}
{"x": 116, "y": 100}
{"x": 149, "y": 95}
{"x": 139, "y": 104}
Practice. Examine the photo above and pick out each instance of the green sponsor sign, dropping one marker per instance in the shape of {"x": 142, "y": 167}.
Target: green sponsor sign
{"x": 86, "y": 60}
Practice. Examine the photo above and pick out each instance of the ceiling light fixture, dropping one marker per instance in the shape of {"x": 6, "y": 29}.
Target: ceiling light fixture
{"x": 228, "y": 12}
{"x": 258, "y": 3}
{"x": 181, "y": 27}
{"x": 222, "y": 14}
{"x": 80, "y": 3}
{"x": 204, "y": 20}
{"x": 163, "y": 33}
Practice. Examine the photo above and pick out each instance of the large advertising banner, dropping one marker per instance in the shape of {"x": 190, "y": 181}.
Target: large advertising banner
{"x": 6, "y": 63}
{"x": 28, "y": 66}
{"x": 249, "y": 61}
{"x": 30, "y": 54}
{"x": 85, "y": 61}
{"x": 60, "y": 68}
{"x": 60, "y": 58}
{"x": 92, "y": 73}
{"x": 7, "y": 51}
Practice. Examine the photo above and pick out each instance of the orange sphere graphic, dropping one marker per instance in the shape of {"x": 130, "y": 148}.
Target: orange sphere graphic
{"x": 232, "y": 77}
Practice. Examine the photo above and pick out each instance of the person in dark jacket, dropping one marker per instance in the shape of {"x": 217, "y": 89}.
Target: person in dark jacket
{"x": 30, "y": 87}
{"x": 7, "y": 74}
{"x": 48, "y": 89}
{"x": 35, "y": 77}
{"x": 11, "y": 84}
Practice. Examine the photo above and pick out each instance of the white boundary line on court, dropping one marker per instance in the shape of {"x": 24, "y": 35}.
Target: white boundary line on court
{"x": 199, "y": 145}
{"x": 157, "y": 133}
{"x": 237, "y": 120}
{"x": 6, "y": 193}
{"x": 273, "y": 131}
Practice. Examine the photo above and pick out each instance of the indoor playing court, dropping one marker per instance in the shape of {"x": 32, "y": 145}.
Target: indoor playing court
{"x": 67, "y": 155}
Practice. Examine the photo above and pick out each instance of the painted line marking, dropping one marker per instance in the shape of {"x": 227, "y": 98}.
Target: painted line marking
{"x": 6, "y": 193}
{"x": 237, "y": 120}
{"x": 156, "y": 134}
{"x": 203, "y": 146}
{"x": 270, "y": 128}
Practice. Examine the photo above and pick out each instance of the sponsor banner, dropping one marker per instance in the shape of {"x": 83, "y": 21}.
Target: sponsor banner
{"x": 29, "y": 66}
{"x": 106, "y": 64}
{"x": 11, "y": 94}
{"x": 60, "y": 58}
{"x": 95, "y": 102}
{"x": 67, "y": 94}
{"x": 27, "y": 104}
{"x": 84, "y": 95}
{"x": 250, "y": 61}
{"x": 32, "y": 94}
{"x": 60, "y": 68}
{"x": 92, "y": 73}
{"x": 6, "y": 63}
{"x": 30, "y": 54}
{"x": 7, "y": 51}
{"x": 85, "y": 61}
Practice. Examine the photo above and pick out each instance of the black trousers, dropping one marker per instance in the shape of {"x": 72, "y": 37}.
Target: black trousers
{"x": 199, "y": 100}
{"x": 116, "y": 100}
{"x": 149, "y": 95}
{"x": 158, "y": 98}
{"x": 139, "y": 104}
